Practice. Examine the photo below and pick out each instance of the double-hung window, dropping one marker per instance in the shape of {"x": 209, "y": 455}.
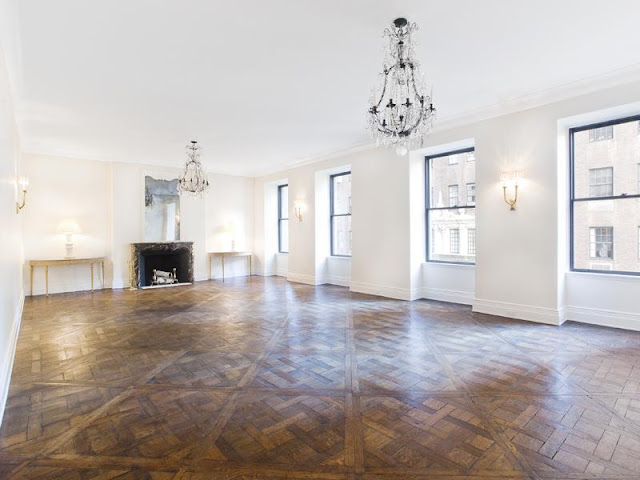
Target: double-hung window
{"x": 450, "y": 219}
{"x": 341, "y": 214}
{"x": 283, "y": 218}
{"x": 605, "y": 197}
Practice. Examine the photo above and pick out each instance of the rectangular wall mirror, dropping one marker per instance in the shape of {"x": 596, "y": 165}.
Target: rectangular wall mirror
{"x": 161, "y": 210}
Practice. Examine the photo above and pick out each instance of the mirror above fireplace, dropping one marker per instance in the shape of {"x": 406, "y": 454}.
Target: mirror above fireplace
{"x": 161, "y": 210}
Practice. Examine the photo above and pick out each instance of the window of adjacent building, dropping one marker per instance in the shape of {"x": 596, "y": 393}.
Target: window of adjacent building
{"x": 453, "y": 195}
{"x": 454, "y": 240}
{"x": 341, "y": 214}
{"x": 601, "y": 242}
{"x": 601, "y": 182}
{"x": 446, "y": 218}
{"x": 471, "y": 193}
{"x": 471, "y": 241}
{"x": 601, "y": 133}
{"x": 605, "y": 197}
{"x": 283, "y": 218}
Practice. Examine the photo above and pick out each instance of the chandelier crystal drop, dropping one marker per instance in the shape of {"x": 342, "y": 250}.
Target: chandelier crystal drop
{"x": 193, "y": 179}
{"x": 401, "y": 113}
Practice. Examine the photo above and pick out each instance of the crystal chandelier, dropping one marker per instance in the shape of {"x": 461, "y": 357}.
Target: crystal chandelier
{"x": 193, "y": 179}
{"x": 400, "y": 112}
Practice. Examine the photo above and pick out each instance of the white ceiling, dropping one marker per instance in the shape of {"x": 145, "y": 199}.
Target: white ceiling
{"x": 263, "y": 84}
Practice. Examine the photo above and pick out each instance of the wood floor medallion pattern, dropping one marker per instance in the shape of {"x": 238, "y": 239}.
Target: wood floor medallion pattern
{"x": 260, "y": 378}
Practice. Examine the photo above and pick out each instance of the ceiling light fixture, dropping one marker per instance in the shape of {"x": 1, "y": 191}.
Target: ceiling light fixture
{"x": 401, "y": 114}
{"x": 193, "y": 179}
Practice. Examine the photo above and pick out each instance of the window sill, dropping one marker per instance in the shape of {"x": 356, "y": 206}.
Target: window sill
{"x": 340, "y": 257}
{"x": 282, "y": 254}
{"x": 449, "y": 265}
{"x": 604, "y": 276}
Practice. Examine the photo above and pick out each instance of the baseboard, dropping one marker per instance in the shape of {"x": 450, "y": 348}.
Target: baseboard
{"x": 302, "y": 278}
{"x": 605, "y": 318}
{"x": 549, "y": 316}
{"x": 445, "y": 295}
{"x": 281, "y": 273}
{"x": 336, "y": 280}
{"x": 382, "y": 290}
{"x": 5, "y": 378}
{"x": 261, "y": 272}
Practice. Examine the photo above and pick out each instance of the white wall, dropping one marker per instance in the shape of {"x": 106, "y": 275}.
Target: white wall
{"x": 11, "y": 256}
{"x": 522, "y": 261}
{"x": 106, "y": 200}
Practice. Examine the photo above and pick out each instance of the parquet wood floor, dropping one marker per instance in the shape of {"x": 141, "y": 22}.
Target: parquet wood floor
{"x": 264, "y": 379}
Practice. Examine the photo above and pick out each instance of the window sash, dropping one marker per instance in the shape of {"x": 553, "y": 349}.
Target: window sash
{"x": 333, "y": 215}
{"x": 429, "y": 230}
{"x": 573, "y": 199}
{"x": 281, "y": 217}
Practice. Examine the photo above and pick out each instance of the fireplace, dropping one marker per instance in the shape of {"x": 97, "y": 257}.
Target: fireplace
{"x": 165, "y": 256}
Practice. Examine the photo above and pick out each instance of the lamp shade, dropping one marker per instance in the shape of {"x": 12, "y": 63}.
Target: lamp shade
{"x": 68, "y": 227}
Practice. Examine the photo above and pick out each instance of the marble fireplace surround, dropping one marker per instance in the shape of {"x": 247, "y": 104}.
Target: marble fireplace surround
{"x": 161, "y": 255}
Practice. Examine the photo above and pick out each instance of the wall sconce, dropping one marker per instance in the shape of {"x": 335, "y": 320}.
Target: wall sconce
{"x": 23, "y": 183}
{"x": 510, "y": 182}
{"x": 297, "y": 209}
{"x": 68, "y": 228}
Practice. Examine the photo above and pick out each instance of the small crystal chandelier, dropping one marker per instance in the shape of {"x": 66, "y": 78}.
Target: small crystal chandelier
{"x": 193, "y": 179}
{"x": 401, "y": 114}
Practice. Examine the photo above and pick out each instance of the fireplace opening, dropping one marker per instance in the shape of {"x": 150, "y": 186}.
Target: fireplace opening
{"x": 165, "y": 263}
{"x": 162, "y": 257}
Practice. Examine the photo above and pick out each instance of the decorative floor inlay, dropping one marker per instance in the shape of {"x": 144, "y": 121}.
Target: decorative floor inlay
{"x": 258, "y": 378}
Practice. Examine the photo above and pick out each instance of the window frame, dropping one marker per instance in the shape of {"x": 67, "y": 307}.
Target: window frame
{"x": 473, "y": 187}
{"x": 573, "y": 200}
{"x": 428, "y": 208}
{"x": 280, "y": 217}
{"x": 596, "y": 185}
{"x": 469, "y": 242}
{"x": 332, "y": 215}
{"x": 595, "y": 242}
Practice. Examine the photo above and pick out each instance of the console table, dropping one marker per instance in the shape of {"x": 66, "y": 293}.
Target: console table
{"x": 222, "y": 255}
{"x": 66, "y": 261}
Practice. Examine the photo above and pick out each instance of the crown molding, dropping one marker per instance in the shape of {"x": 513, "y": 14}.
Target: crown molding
{"x": 550, "y": 95}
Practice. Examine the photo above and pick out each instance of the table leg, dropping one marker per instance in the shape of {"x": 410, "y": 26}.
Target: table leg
{"x": 222, "y": 258}
{"x": 92, "y": 277}
{"x": 31, "y": 278}
{"x": 46, "y": 279}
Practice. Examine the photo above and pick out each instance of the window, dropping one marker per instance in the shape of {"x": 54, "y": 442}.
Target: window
{"x": 601, "y": 182}
{"x": 283, "y": 218}
{"x": 453, "y": 195}
{"x": 445, "y": 217}
{"x": 454, "y": 240}
{"x": 471, "y": 193}
{"x": 601, "y": 242}
{"x": 605, "y": 197}
{"x": 471, "y": 241}
{"x": 341, "y": 214}
{"x": 601, "y": 133}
